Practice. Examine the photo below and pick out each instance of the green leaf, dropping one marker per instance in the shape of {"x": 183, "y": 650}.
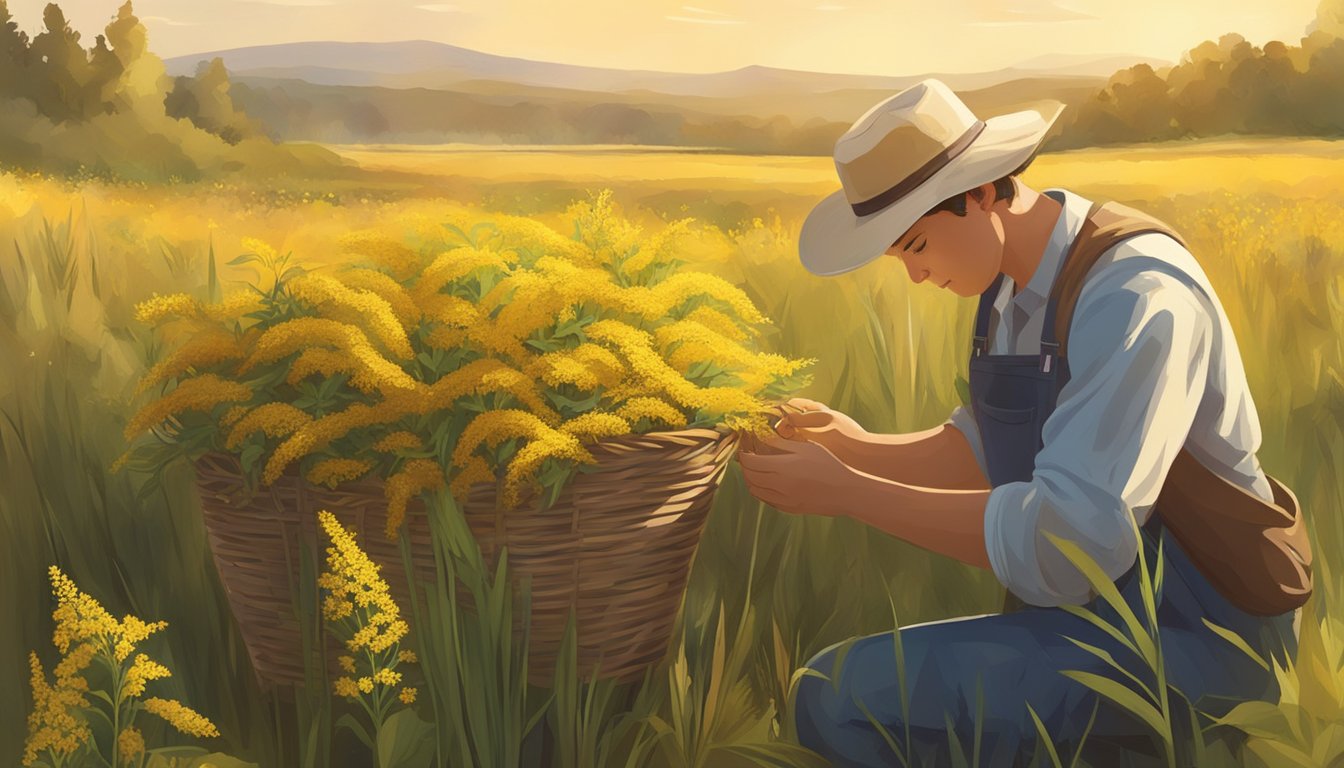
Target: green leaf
{"x": 1043, "y": 737}
{"x": 1103, "y": 586}
{"x": 1123, "y": 697}
{"x": 1238, "y": 641}
{"x": 405, "y": 741}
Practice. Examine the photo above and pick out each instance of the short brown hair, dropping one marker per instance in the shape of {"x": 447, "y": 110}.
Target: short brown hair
{"x": 1004, "y": 189}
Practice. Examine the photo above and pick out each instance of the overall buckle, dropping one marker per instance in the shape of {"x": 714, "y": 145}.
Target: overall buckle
{"x": 1049, "y": 354}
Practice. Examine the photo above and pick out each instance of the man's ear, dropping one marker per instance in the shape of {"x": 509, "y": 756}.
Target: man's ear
{"x": 985, "y": 196}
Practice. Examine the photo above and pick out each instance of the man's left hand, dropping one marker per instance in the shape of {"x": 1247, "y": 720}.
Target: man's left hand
{"x": 798, "y": 476}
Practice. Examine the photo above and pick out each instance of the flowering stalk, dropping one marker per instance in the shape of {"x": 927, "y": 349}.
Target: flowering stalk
{"x": 95, "y": 646}
{"x": 359, "y": 610}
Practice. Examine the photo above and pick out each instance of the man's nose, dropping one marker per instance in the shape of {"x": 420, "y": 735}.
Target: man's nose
{"x": 917, "y": 274}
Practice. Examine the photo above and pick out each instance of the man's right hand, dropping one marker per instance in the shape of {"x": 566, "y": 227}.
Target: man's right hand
{"x": 816, "y": 422}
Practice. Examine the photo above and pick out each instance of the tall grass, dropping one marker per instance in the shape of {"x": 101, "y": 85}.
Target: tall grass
{"x": 767, "y": 591}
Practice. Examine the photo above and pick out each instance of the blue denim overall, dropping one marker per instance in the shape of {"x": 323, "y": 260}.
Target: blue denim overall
{"x": 1004, "y": 661}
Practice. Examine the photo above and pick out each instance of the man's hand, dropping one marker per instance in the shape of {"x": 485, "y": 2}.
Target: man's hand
{"x": 798, "y": 476}
{"x": 810, "y": 420}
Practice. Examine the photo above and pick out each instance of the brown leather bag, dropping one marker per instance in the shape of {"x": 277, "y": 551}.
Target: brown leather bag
{"x": 1256, "y": 554}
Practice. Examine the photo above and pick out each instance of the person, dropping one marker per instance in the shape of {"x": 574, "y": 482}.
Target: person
{"x": 1150, "y": 401}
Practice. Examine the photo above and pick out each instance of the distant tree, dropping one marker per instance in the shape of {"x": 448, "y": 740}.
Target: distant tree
{"x": 14, "y": 77}
{"x": 205, "y": 101}
{"x": 60, "y": 68}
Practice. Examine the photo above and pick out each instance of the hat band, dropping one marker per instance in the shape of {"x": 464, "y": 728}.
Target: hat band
{"x": 909, "y": 183}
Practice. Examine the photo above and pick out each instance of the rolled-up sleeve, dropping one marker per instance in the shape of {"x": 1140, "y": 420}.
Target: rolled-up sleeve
{"x": 964, "y": 421}
{"x": 1139, "y": 351}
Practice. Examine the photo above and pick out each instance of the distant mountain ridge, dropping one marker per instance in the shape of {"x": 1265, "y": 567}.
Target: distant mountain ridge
{"x": 426, "y": 64}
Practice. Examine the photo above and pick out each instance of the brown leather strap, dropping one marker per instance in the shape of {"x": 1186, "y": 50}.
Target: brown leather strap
{"x": 1255, "y": 553}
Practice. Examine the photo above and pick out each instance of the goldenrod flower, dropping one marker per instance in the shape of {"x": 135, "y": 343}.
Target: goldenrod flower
{"x": 131, "y": 744}
{"x": 475, "y": 470}
{"x": 416, "y": 476}
{"x": 454, "y": 265}
{"x": 184, "y": 719}
{"x": 345, "y": 686}
{"x": 199, "y": 393}
{"x": 365, "y": 684}
{"x": 407, "y": 696}
{"x": 78, "y": 617}
{"x": 205, "y": 349}
{"x": 398, "y": 441}
{"x": 303, "y": 332}
{"x": 333, "y": 472}
{"x": 272, "y": 419}
{"x": 596, "y": 424}
{"x": 155, "y": 309}
{"x": 347, "y": 663}
{"x": 321, "y": 291}
{"x": 52, "y": 725}
{"x": 386, "y": 676}
{"x": 386, "y": 288}
{"x": 384, "y": 251}
{"x": 651, "y": 408}
{"x": 406, "y": 655}
{"x": 143, "y": 670}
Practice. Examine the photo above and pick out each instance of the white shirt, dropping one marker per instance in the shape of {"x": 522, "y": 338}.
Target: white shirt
{"x": 1154, "y": 367}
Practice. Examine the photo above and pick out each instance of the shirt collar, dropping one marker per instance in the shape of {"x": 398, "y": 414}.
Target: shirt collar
{"x": 1067, "y": 228}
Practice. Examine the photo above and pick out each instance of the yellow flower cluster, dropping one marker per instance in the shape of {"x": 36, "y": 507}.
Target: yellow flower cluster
{"x": 183, "y": 718}
{"x": 84, "y": 633}
{"x": 554, "y": 340}
{"x": 359, "y": 609}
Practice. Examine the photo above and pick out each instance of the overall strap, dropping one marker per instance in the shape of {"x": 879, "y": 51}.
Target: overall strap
{"x": 1106, "y": 225}
{"x": 980, "y": 343}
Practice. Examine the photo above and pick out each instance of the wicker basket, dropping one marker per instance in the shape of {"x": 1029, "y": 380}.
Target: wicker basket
{"x": 616, "y": 547}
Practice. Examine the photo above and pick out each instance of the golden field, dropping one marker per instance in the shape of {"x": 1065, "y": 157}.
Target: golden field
{"x": 1263, "y": 216}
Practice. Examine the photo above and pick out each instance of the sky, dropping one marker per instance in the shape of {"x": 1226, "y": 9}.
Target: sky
{"x": 885, "y": 37}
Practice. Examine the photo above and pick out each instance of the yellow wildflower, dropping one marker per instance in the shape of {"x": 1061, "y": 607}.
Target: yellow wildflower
{"x": 272, "y": 419}
{"x": 556, "y": 445}
{"x": 384, "y": 251}
{"x": 329, "y": 363}
{"x": 596, "y": 424}
{"x": 52, "y": 726}
{"x": 153, "y": 311}
{"x": 131, "y": 744}
{"x": 78, "y": 616}
{"x": 233, "y": 307}
{"x": 199, "y": 393}
{"x": 260, "y": 248}
{"x": 183, "y": 718}
{"x": 346, "y": 687}
{"x": 651, "y": 408}
{"x": 721, "y": 323}
{"x": 398, "y": 441}
{"x": 204, "y": 349}
{"x": 370, "y": 308}
{"x": 655, "y": 302}
{"x": 407, "y": 696}
{"x": 387, "y": 676}
{"x": 453, "y": 265}
{"x": 347, "y": 663}
{"x": 389, "y": 290}
{"x": 333, "y": 472}
{"x": 142, "y": 671}
{"x": 476, "y": 470}
{"x": 302, "y": 332}
{"x": 417, "y": 475}
{"x": 407, "y": 656}
{"x": 365, "y": 684}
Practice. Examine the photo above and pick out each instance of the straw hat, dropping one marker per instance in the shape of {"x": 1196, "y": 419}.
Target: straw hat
{"x": 904, "y": 156}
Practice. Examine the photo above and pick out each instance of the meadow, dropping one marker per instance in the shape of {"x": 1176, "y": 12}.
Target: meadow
{"x": 767, "y": 590}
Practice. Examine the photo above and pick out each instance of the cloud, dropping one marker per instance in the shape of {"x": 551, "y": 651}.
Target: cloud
{"x": 168, "y": 22}
{"x": 991, "y": 13}
{"x": 723, "y": 18}
{"x": 439, "y": 7}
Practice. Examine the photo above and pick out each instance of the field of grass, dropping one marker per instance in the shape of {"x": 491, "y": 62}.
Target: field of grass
{"x": 1263, "y": 217}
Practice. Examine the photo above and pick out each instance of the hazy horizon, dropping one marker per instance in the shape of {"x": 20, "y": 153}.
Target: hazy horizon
{"x": 831, "y": 36}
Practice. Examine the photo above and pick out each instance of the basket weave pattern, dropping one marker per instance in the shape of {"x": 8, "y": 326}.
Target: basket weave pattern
{"x": 616, "y": 547}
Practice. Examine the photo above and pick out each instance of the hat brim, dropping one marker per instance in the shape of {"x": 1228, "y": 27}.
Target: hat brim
{"x": 834, "y": 241}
